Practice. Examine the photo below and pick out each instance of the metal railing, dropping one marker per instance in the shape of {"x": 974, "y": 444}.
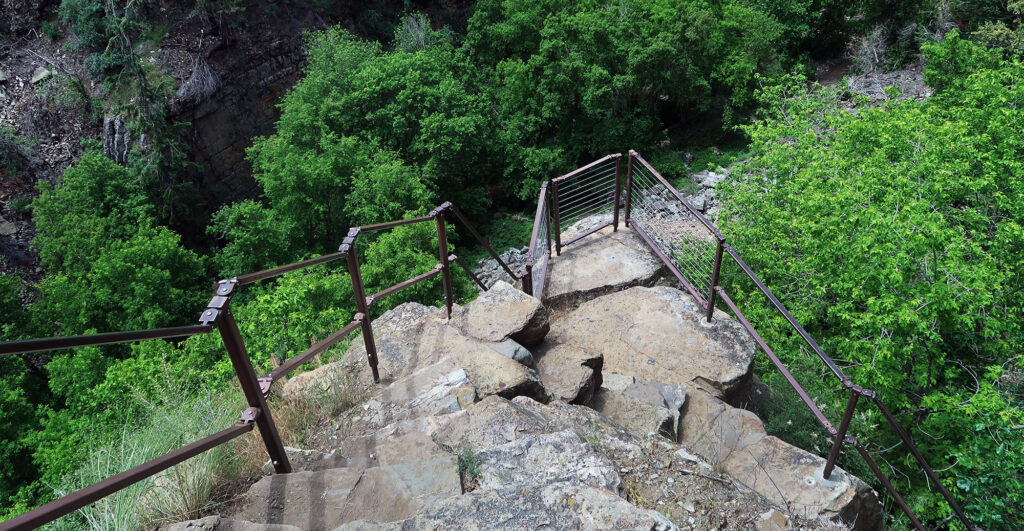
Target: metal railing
{"x": 592, "y": 190}
{"x": 218, "y": 316}
{"x": 693, "y": 249}
{"x": 539, "y": 254}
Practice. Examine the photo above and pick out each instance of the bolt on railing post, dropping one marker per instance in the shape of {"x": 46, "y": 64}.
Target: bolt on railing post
{"x": 220, "y": 314}
{"x": 714, "y": 279}
{"x": 629, "y": 184}
{"x": 558, "y": 223}
{"x": 618, "y": 189}
{"x": 359, "y": 292}
{"x": 844, "y": 425}
{"x": 446, "y": 274}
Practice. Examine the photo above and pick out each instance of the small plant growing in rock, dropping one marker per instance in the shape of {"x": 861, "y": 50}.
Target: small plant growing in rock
{"x": 469, "y": 464}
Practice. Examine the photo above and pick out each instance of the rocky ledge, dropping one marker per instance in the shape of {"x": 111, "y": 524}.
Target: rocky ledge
{"x": 613, "y": 416}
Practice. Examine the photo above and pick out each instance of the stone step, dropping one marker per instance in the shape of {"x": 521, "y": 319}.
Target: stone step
{"x": 325, "y": 499}
{"x": 553, "y": 506}
{"x": 569, "y": 373}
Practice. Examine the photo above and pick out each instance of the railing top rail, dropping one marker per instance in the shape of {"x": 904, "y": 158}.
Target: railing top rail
{"x": 583, "y": 169}
{"x": 696, "y": 213}
{"x": 107, "y": 338}
{"x": 396, "y": 223}
{"x": 257, "y": 276}
{"x": 788, "y": 316}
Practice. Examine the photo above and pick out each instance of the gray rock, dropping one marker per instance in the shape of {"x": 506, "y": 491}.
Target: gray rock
{"x": 515, "y": 351}
{"x": 503, "y": 312}
{"x": 39, "y": 74}
{"x": 602, "y": 263}
{"x": 555, "y": 506}
{"x": 638, "y": 416}
{"x": 437, "y": 389}
{"x": 7, "y": 228}
{"x": 570, "y": 373}
{"x": 311, "y": 460}
{"x": 561, "y": 457}
{"x": 656, "y": 334}
{"x": 405, "y": 346}
{"x": 216, "y": 523}
{"x": 328, "y": 498}
{"x": 390, "y": 447}
{"x": 615, "y": 381}
{"x": 4, "y": 76}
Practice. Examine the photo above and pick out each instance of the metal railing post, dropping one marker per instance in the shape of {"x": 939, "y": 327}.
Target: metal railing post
{"x": 558, "y": 224}
{"x": 218, "y": 312}
{"x": 348, "y": 247}
{"x": 844, "y": 425}
{"x": 629, "y": 184}
{"x": 528, "y": 279}
{"x": 714, "y": 279}
{"x": 446, "y": 273}
{"x": 618, "y": 188}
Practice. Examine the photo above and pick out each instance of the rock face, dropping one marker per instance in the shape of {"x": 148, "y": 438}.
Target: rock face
{"x": 555, "y": 506}
{"x": 602, "y": 263}
{"x": 501, "y": 313}
{"x": 412, "y": 336}
{"x": 655, "y": 334}
{"x": 624, "y": 424}
{"x": 784, "y": 474}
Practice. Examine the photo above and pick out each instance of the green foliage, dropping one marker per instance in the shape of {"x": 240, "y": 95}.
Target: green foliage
{"x": 51, "y": 30}
{"x": 14, "y": 148}
{"x": 86, "y": 18}
{"x": 256, "y": 238}
{"x": 469, "y": 461}
{"x": 893, "y": 234}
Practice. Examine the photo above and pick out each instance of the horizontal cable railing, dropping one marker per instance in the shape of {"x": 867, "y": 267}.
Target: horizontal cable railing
{"x": 693, "y": 249}
{"x": 592, "y": 190}
{"x": 218, "y": 316}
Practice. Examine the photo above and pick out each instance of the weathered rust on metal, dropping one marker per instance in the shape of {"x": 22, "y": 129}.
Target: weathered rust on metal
{"x": 668, "y": 263}
{"x": 446, "y": 271}
{"x": 67, "y": 504}
{"x": 840, "y": 434}
{"x": 348, "y": 246}
{"x": 785, "y": 313}
{"x": 905, "y": 437}
{"x": 228, "y": 328}
{"x": 558, "y": 221}
{"x": 696, "y": 213}
{"x": 479, "y": 238}
{"x": 322, "y": 345}
{"x": 257, "y": 276}
{"x": 618, "y": 191}
{"x": 629, "y": 185}
{"x": 110, "y": 338}
{"x": 888, "y": 485}
{"x": 402, "y": 285}
{"x": 458, "y": 261}
{"x": 586, "y": 233}
{"x": 714, "y": 279}
{"x": 583, "y": 169}
{"x": 528, "y": 279}
{"x": 396, "y": 223}
{"x": 776, "y": 361}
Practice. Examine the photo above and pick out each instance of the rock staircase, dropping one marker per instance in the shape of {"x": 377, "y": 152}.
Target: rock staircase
{"x": 610, "y": 412}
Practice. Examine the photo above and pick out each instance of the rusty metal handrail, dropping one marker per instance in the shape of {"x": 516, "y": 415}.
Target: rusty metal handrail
{"x": 839, "y": 434}
{"x": 218, "y": 316}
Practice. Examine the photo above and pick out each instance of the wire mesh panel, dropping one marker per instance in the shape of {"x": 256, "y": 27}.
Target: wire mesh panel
{"x": 585, "y": 198}
{"x": 673, "y": 226}
{"x": 539, "y": 254}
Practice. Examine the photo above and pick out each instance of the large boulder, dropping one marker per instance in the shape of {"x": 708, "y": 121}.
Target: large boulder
{"x": 638, "y": 416}
{"x": 503, "y": 312}
{"x": 325, "y": 499}
{"x": 570, "y": 374}
{"x": 216, "y": 523}
{"x": 410, "y": 338}
{"x": 599, "y": 264}
{"x": 437, "y": 389}
{"x": 735, "y": 440}
{"x": 554, "y": 506}
{"x": 659, "y": 335}
{"x": 560, "y": 457}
